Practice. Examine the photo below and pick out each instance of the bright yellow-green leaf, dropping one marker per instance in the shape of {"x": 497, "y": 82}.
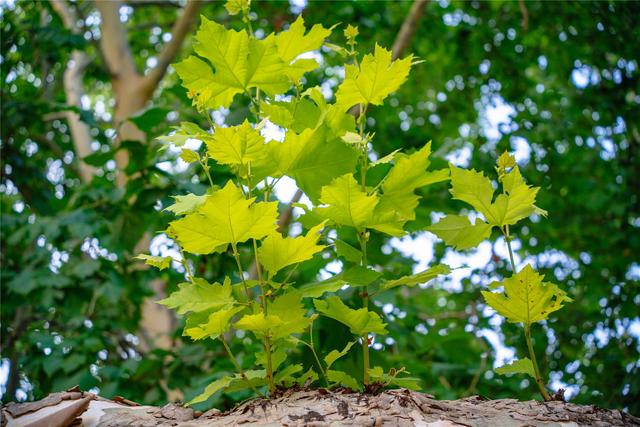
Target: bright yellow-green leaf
{"x": 418, "y": 278}
{"x": 398, "y": 200}
{"x": 242, "y": 63}
{"x": 236, "y": 145}
{"x": 518, "y": 200}
{"x": 216, "y": 323}
{"x": 475, "y": 189}
{"x": 457, "y": 231}
{"x": 374, "y": 80}
{"x": 189, "y": 156}
{"x": 294, "y": 41}
{"x": 186, "y": 204}
{"x": 313, "y": 158}
{"x": 505, "y": 161}
{"x": 291, "y": 311}
{"x": 355, "y": 276}
{"x": 226, "y": 217}
{"x": 235, "y": 7}
{"x": 343, "y": 379}
{"x": 199, "y": 296}
{"x": 351, "y": 32}
{"x": 518, "y": 366}
{"x": 278, "y": 252}
{"x": 259, "y": 324}
{"x": 393, "y": 378}
{"x": 360, "y": 321}
{"x": 160, "y": 262}
{"x": 335, "y": 354}
{"x": 347, "y": 203}
{"x": 526, "y": 298}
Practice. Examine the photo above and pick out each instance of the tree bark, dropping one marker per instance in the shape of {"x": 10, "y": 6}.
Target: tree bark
{"x": 320, "y": 408}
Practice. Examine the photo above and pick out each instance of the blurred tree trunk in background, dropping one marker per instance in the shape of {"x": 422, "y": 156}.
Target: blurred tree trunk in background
{"x": 131, "y": 91}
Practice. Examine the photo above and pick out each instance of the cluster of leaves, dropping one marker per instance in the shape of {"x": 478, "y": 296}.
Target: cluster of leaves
{"x": 526, "y": 298}
{"x": 325, "y": 147}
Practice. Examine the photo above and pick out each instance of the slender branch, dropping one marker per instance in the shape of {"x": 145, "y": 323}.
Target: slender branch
{"x": 525, "y": 15}
{"x": 405, "y": 35}
{"x": 508, "y": 238}
{"x": 73, "y": 88}
{"x": 179, "y": 31}
{"x": 113, "y": 42}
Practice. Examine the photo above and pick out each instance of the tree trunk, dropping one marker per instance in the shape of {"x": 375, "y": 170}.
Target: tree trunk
{"x": 317, "y": 408}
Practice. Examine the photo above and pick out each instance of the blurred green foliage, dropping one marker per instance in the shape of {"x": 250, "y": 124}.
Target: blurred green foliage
{"x": 564, "y": 80}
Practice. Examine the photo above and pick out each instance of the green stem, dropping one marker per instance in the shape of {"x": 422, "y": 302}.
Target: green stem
{"x": 184, "y": 263}
{"x": 507, "y": 238}
{"x": 534, "y": 362}
{"x": 263, "y": 298}
{"x": 205, "y": 167}
{"x": 365, "y": 304}
{"x": 313, "y": 350}
{"x": 239, "y": 368}
{"x": 236, "y": 256}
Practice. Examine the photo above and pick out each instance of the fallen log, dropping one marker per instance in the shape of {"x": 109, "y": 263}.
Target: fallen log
{"x": 313, "y": 408}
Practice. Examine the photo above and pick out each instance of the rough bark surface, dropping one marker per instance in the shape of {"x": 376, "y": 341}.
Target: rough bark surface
{"x": 315, "y": 408}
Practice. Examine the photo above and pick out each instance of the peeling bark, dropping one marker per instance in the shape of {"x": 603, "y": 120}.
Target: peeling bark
{"x": 321, "y": 408}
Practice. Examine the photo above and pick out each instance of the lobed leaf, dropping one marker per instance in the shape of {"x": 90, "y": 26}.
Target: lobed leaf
{"x": 526, "y": 298}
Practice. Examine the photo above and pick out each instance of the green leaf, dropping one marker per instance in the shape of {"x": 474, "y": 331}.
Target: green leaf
{"x": 518, "y": 366}
{"x": 285, "y": 376}
{"x": 355, "y": 276}
{"x": 186, "y": 204}
{"x": 518, "y": 200}
{"x": 289, "y": 308}
{"x": 231, "y": 384}
{"x": 457, "y": 231}
{"x": 375, "y": 78}
{"x": 343, "y": 379}
{"x": 526, "y": 298}
{"x": 393, "y": 378}
{"x": 148, "y": 119}
{"x": 294, "y": 42}
{"x": 259, "y": 324}
{"x": 189, "y": 156}
{"x": 212, "y": 389}
{"x": 348, "y": 252}
{"x": 235, "y": 7}
{"x": 278, "y": 252}
{"x": 475, "y": 189}
{"x": 398, "y": 200}
{"x": 217, "y": 323}
{"x": 159, "y": 262}
{"x": 347, "y": 203}
{"x": 335, "y": 354}
{"x": 360, "y": 322}
{"x": 236, "y": 145}
{"x": 419, "y": 278}
{"x": 313, "y": 158}
{"x": 226, "y": 217}
{"x": 242, "y": 63}
{"x": 199, "y": 296}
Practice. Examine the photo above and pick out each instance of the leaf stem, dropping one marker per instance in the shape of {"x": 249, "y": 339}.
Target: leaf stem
{"x": 365, "y": 303}
{"x": 313, "y": 350}
{"x": 236, "y": 256}
{"x": 508, "y": 239}
{"x": 263, "y": 300}
{"x": 185, "y": 264}
{"x": 239, "y": 368}
{"x": 534, "y": 362}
